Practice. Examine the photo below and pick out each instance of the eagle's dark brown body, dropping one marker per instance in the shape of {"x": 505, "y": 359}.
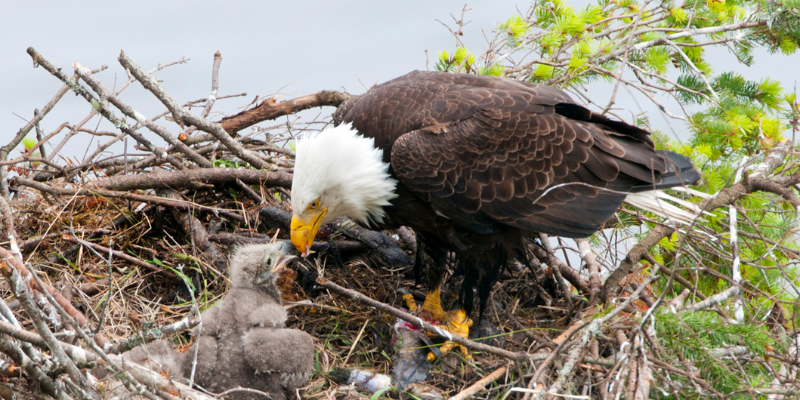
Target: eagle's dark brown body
{"x": 483, "y": 162}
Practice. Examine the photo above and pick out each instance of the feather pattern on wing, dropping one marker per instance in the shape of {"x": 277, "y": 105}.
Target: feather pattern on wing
{"x": 482, "y": 162}
{"x": 484, "y": 151}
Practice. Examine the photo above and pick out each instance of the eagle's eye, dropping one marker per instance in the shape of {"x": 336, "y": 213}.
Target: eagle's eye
{"x": 314, "y": 205}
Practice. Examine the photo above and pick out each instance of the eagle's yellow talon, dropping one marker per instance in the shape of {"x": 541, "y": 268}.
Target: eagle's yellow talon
{"x": 456, "y": 322}
{"x": 431, "y": 357}
{"x": 410, "y": 303}
{"x": 450, "y": 345}
{"x": 465, "y": 352}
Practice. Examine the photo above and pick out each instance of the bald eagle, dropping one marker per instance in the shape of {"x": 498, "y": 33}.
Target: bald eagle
{"x": 474, "y": 165}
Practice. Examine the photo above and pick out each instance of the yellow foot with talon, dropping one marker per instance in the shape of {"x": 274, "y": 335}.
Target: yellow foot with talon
{"x": 456, "y": 322}
{"x": 410, "y": 303}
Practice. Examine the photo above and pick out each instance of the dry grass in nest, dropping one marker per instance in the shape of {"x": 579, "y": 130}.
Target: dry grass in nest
{"x": 335, "y": 332}
{"x": 346, "y": 333}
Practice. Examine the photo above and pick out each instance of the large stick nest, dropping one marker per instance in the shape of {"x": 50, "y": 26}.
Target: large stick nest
{"x": 169, "y": 216}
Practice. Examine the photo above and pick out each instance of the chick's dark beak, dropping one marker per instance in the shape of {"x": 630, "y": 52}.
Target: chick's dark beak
{"x": 286, "y": 257}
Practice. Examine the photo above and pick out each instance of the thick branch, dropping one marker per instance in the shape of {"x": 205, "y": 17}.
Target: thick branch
{"x": 13, "y": 272}
{"x": 478, "y": 386}
{"x": 9, "y": 232}
{"x": 184, "y": 205}
{"x": 566, "y": 271}
{"x": 184, "y": 178}
{"x": 76, "y": 353}
{"x": 271, "y": 109}
{"x": 83, "y": 357}
{"x": 588, "y": 256}
{"x": 156, "y": 381}
{"x": 634, "y": 256}
{"x": 60, "y": 299}
{"x": 47, "y": 384}
{"x": 714, "y": 300}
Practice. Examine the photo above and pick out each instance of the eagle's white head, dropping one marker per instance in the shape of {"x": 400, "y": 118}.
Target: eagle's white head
{"x": 337, "y": 173}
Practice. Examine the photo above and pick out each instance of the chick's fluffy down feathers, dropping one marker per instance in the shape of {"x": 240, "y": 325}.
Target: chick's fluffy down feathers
{"x": 243, "y": 340}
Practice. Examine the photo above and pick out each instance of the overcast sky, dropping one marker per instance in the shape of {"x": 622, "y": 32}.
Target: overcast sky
{"x": 294, "y": 48}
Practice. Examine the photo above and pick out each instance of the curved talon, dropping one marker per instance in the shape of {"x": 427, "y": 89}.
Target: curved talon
{"x": 456, "y": 322}
{"x": 448, "y": 346}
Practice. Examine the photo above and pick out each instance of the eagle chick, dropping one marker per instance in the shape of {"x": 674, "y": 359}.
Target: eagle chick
{"x": 243, "y": 341}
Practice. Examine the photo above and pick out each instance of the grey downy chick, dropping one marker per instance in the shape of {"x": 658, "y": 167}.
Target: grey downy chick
{"x": 243, "y": 341}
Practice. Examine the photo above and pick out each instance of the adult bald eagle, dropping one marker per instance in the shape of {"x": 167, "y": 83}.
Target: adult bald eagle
{"x": 474, "y": 164}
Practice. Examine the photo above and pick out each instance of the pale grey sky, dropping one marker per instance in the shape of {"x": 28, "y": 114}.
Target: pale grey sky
{"x": 294, "y": 48}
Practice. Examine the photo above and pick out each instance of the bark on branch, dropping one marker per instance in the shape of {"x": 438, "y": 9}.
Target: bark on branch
{"x": 12, "y": 269}
{"x": 714, "y": 300}
{"x": 184, "y": 205}
{"x": 271, "y": 109}
{"x": 194, "y": 177}
{"x": 60, "y": 299}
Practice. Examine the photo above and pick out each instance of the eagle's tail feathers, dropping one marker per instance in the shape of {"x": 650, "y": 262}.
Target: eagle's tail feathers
{"x": 661, "y": 204}
{"x": 693, "y": 192}
{"x": 680, "y": 172}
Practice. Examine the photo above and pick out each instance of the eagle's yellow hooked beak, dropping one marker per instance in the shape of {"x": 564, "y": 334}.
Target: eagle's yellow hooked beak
{"x": 303, "y": 233}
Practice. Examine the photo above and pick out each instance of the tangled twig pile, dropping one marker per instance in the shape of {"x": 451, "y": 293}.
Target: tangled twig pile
{"x": 107, "y": 253}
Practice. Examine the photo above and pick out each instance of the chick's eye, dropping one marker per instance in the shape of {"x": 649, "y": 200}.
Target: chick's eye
{"x": 314, "y": 205}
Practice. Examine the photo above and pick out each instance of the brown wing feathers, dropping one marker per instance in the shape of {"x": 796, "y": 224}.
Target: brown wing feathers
{"x": 487, "y": 151}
